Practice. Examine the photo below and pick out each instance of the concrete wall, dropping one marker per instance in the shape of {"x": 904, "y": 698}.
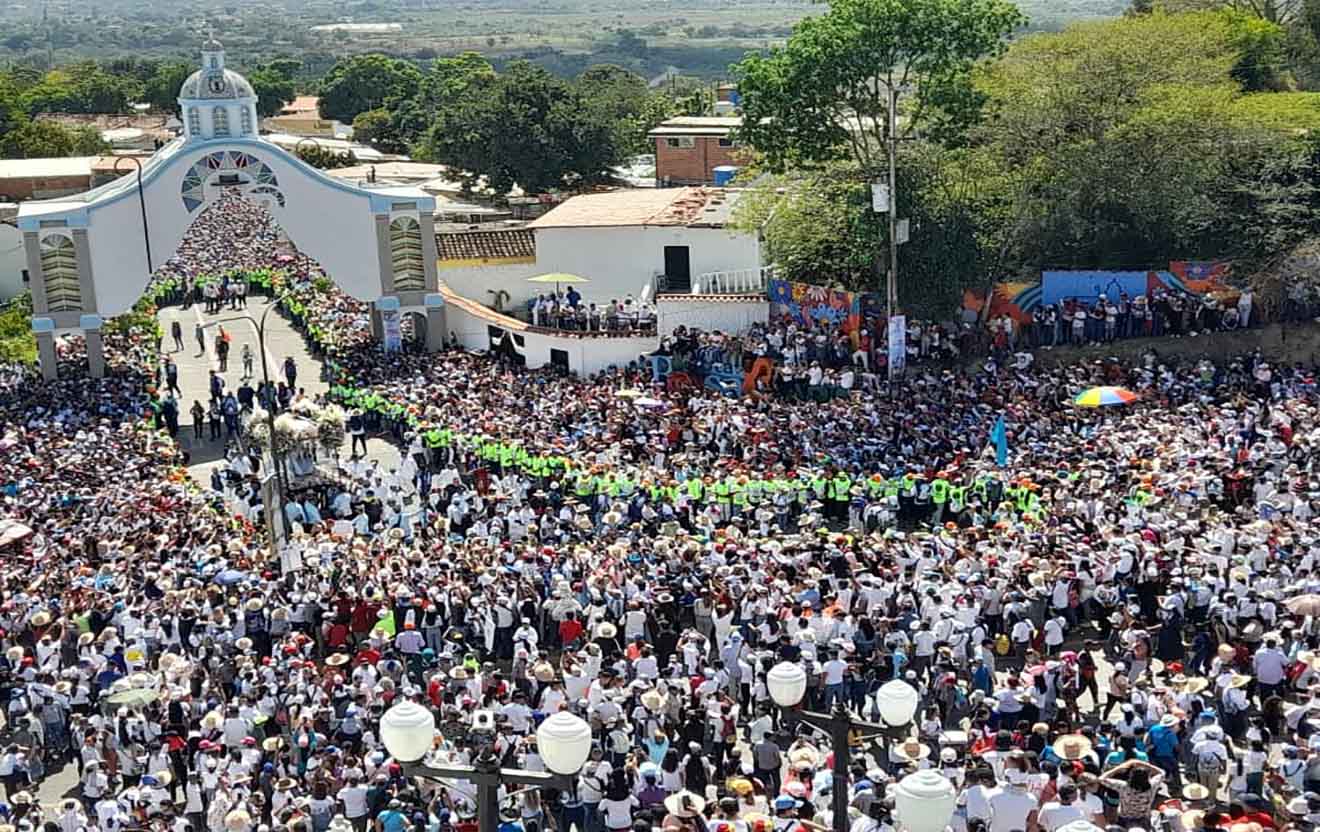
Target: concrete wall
{"x": 586, "y": 356}
{"x": 710, "y": 315}
{"x": 1280, "y": 342}
{"x": 691, "y": 165}
{"x": 474, "y": 282}
{"x": 13, "y": 260}
{"x": 620, "y": 261}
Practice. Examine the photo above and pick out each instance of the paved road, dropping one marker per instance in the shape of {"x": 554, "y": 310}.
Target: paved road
{"x": 282, "y": 341}
{"x": 194, "y": 366}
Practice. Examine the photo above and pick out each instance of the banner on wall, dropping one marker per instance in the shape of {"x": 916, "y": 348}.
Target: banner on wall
{"x": 897, "y": 344}
{"x": 393, "y": 333}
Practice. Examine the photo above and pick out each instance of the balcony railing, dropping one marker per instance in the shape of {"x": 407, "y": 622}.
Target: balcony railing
{"x": 739, "y": 282}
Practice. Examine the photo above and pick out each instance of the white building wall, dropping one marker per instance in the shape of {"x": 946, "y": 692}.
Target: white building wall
{"x": 620, "y": 261}
{"x": 13, "y": 260}
{"x": 709, "y": 315}
{"x": 586, "y": 356}
{"x": 476, "y": 282}
{"x": 328, "y": 220}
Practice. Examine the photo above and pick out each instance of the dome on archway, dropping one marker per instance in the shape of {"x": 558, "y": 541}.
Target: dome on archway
{"x": 208, "y": 86}
{"x": 215, "y": 102}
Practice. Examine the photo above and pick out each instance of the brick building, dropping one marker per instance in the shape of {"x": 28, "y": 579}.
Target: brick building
{"x": 689, "y": 148}
{"x": 22, "y": 179}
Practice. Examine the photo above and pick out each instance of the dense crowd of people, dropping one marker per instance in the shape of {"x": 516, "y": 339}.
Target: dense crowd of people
{"x": 1107, "y": 619}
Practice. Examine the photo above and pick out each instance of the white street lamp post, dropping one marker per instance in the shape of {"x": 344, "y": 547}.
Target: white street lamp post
{"x": 897, "y": 701}
{"x": 563, "y": 740}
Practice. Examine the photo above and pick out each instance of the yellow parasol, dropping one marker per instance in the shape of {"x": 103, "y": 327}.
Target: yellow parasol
{"x": 557, "y": 278}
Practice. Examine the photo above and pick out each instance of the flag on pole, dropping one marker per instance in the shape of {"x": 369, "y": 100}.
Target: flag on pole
{"x": 999, "y": 436}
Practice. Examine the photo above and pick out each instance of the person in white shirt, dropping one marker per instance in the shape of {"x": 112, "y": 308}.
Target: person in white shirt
{"x": 354, "y": 798}
{"x": 1012, "y": 807}
{"x": 1271, "y": 666}
{"x": 1064, "y": 809}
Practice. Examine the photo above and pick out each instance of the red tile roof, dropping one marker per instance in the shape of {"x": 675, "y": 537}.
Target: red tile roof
{"x": 486, "y": 245}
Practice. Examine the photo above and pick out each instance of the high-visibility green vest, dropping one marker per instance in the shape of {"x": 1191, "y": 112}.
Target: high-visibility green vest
{"x": 804, "y": 489}
{"x": 958, "y": 495}
{"x": 584, "y": 485}
{"x": 1024, "y": 496}
{"x": 695, "y": 488}
{"x": 939, "y": 490}
{"x": 755, "y": 491}
{"x": 981, "y": 488}
{"x": 891, "y": 487}
{"x": 723, "y": 492}
{"x": 842, "y": 487}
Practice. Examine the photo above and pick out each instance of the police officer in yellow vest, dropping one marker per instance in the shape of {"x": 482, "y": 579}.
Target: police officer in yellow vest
{"x": 838, "y": 488}
{"x": 939, "y": 496}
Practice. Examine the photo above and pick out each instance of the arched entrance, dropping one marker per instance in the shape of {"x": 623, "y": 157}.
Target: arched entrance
{"x": 101, "y": 246}
{"x": 413, "y": 326}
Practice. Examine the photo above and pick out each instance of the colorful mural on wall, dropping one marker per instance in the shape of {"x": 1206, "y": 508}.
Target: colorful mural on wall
{"x": 808, "y": 305}
{"x": 1019, "y": 300}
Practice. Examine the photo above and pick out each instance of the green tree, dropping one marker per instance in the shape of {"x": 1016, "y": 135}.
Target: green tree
{"x": 42, "y": 139}
{"x": 1259, "y": 45}
{"x": 622, "y": 98}
{"x": 1274, "y": 11}
{"x": 825, "y": 94}
{"x": 527, "y": 128}
{"x": 1138, "y": 139}
{"x": 378, "y": 128}
{"x": 325, "y": 158}
{"x": 161, "y": 90}
{"x": 365, "y": 82}
{"x": 274, "y": 89}
{"x": 817, "y": 225}
{"x": 17, "y": 343}
{"x": 79, "y": 88}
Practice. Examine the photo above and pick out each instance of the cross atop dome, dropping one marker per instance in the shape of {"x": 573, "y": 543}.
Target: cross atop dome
{"x": 213, "y": 53}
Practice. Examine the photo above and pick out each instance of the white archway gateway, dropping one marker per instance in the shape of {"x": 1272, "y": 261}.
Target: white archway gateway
{"x": 90, "y": 256}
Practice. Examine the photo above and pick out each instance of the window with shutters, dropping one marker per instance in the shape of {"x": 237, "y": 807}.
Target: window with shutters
{"x": 246, "y": 121}
{"x": 406, "y": 255}
{"x": 59, "y": 269}
{"x": 194, "y": 122}
{"x": 219, "y": 123}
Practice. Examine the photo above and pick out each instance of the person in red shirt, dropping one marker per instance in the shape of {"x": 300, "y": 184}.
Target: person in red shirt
{"x": 364, "y": 617}
{"x": 367, "y": 655}
{"x": 570, "y": 629}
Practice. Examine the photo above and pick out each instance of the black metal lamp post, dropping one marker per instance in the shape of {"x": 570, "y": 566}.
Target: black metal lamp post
{"x": 142, "y": 203}
{"x": 276, "y": 457}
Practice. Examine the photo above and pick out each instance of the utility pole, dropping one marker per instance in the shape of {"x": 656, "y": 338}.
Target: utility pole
{"x": 891, "y": 285}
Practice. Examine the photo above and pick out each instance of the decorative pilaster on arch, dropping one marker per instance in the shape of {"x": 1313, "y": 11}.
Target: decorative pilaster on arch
{"x": 406, "y": 259}
{"x": 63, "y": 288}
